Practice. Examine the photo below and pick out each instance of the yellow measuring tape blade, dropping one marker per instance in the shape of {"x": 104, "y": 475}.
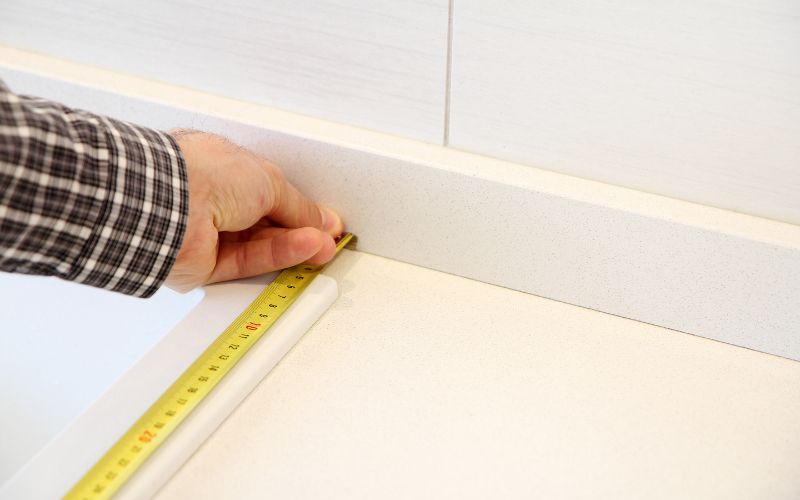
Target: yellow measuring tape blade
{"x": 185, "y": 394}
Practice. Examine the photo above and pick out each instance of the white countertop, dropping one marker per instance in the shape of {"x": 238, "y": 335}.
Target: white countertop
{"x": 419, "y": 384}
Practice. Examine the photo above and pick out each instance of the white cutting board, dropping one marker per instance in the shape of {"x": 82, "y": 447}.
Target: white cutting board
{"x": 79, "y": 384}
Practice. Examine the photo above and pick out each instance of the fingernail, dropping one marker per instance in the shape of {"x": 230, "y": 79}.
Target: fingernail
{"x": 329, "y": 219}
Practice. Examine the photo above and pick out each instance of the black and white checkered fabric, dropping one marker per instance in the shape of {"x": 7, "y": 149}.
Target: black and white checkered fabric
{"x": 88, "y": 198}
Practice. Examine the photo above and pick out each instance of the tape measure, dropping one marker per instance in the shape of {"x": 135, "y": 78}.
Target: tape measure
{"x": 128, "y": 454}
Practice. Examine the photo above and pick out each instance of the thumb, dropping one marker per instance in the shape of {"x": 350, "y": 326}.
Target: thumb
{"x": 292, "y": 209}
{"x": 285, "y": 248}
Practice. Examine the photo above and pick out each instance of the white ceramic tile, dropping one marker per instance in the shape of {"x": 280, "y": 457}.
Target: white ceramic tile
{"x": 376, "y": 64}
{"x": 688, "y": 267}
{"x": 694, "y": 100}
{"x": 417, "y": 384}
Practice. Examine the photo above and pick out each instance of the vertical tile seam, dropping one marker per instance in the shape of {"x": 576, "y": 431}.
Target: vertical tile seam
{"x": 448, "y": 73}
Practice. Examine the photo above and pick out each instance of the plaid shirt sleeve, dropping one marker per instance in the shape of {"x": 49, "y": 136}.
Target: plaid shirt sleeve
{"x": 87, "y": 198}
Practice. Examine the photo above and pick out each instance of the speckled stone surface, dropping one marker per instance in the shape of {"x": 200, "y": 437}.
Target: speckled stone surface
{"x": 419, "y": 384}
{"x": 691, "y": 268}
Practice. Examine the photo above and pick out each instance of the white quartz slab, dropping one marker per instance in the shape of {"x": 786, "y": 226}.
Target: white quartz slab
{"x": 688, "y": 267}
{"x": 419, "y": 384}
{"x": 113, "y": 381}
{"x": 66, "y": 345}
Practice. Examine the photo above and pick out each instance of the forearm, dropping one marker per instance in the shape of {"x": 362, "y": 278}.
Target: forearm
{"x": 87, "y": 198}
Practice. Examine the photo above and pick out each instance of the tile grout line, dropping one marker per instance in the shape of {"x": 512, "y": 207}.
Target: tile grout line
{"x": 448, "y": 74}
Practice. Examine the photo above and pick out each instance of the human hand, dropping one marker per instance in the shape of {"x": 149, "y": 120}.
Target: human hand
{"x": 244, "y": 218}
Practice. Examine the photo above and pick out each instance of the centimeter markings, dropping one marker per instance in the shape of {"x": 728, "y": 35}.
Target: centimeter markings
{"x": 185, "y": 394}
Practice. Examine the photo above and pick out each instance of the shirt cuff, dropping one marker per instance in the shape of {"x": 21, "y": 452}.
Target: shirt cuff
{"x": 139, "y": 229}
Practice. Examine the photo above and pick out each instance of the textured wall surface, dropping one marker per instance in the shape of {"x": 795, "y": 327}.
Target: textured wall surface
{"x": 696, "y": 100}
{"x": 375, "y": 64}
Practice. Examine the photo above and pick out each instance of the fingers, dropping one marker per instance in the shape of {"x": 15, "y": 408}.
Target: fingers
{"x": 261, "y": 230}
{"x": 241, "y": 259}
{"x": 293, "y": 209}
{"x": 239, "y": 187}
